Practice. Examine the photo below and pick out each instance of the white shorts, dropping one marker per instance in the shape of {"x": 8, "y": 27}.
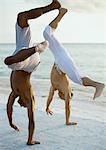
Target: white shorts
{"x": 62, "y": 58}
{"x": 28, "y": 65}
{"x": 23, "y": 41}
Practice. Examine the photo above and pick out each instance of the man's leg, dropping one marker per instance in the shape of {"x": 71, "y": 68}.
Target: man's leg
{"x": 22, "y": 21}
{"x": 20, "y": 56}
{"x": 23, "y": 17}
{"x": 98, "y": 86}
{"x": 85, "y": 80}
{"x": 25, "y": 53}
{"x": 54, "y": 23}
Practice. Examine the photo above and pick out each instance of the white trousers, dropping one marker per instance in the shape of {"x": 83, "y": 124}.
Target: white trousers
{"x": 62, "y": 58}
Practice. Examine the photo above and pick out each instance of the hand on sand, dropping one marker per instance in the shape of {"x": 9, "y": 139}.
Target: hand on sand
{"x": 71, "y": 123}
{"x": 33, "y": 143}
{"x": 14, "y": 127}
{"x": 49, "y": 111}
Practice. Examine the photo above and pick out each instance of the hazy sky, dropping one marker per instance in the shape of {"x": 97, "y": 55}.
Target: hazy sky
{"x": 85, "y": 21}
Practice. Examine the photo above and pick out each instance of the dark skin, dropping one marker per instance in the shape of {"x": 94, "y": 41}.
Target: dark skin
{"x": 22, "y": 20}
{"x": 10, "y": 103}
{"x": 22, "y": 88}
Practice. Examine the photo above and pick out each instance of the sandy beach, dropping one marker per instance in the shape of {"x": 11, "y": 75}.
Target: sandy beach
{"x": 82, "y": 34}
{"x": 51, "y": 131}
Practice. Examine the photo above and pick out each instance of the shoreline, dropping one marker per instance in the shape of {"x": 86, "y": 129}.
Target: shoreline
{"x": 52, "y": 132}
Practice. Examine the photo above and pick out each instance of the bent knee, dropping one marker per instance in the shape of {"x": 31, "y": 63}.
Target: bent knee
{"x": 22, "y": 19}
{"x": 8, "y": 60}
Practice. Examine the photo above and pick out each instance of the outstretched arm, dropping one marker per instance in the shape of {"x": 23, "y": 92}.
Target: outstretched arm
{"x": 49, "y": 100}
{"x": 31, "y": 126}
{"x": 10, "y": 103}
{"x": 67, "y": 110}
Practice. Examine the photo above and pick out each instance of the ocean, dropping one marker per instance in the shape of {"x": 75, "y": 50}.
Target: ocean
{"x": 90, "y": 58}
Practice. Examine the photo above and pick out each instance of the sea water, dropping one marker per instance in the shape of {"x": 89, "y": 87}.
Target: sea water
{"x": 90, "y": 58}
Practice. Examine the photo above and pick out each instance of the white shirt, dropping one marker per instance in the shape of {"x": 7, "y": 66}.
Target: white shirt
{"x": 23, "y": 41}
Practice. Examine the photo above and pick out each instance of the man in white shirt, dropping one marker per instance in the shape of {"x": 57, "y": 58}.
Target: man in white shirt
{"x": 23, "y": 62}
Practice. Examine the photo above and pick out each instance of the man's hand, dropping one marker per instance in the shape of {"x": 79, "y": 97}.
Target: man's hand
{"x": 71, "y": 123}
{"x": 49, "y": 111}
{"x": 14, "y": 127}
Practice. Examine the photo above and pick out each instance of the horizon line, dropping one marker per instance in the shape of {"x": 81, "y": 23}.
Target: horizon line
{"x": 66, "y": 43}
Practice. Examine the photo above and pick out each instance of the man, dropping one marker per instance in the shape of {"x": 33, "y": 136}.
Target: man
{"x": 66, "y": 65}
{"x": 23, "y": 62}
{"x": 61, "y": 83}
{"x": 63, "y": 59}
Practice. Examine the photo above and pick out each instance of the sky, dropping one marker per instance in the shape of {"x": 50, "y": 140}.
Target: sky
{"x": 85, "y": 21}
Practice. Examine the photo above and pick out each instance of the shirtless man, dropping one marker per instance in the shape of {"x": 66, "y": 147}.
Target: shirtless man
{"x": 23, "y": 62}
{"x": 65, "y": 64}
{"x": 60, "y": 82}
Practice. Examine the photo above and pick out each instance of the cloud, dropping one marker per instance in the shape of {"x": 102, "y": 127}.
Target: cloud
{"x": 86, "y": 5}
{"x": 77, "y": 5}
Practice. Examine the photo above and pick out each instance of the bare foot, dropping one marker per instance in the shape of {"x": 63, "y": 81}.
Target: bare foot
{"x": 56, "y": 4}
{"x": 71, "y": 123}
{"x": 99, "y": 90}
{"x": 41, "y": 47}
{"x": 33, "y": 142}
{"x": 63, "y": 10}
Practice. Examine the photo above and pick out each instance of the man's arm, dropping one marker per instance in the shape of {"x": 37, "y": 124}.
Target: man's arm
{"x": 10, "y": 103}
{"x": 67, "y": 111}
{"x": 49, "y": 100}
{"x": 31, "y": 126}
